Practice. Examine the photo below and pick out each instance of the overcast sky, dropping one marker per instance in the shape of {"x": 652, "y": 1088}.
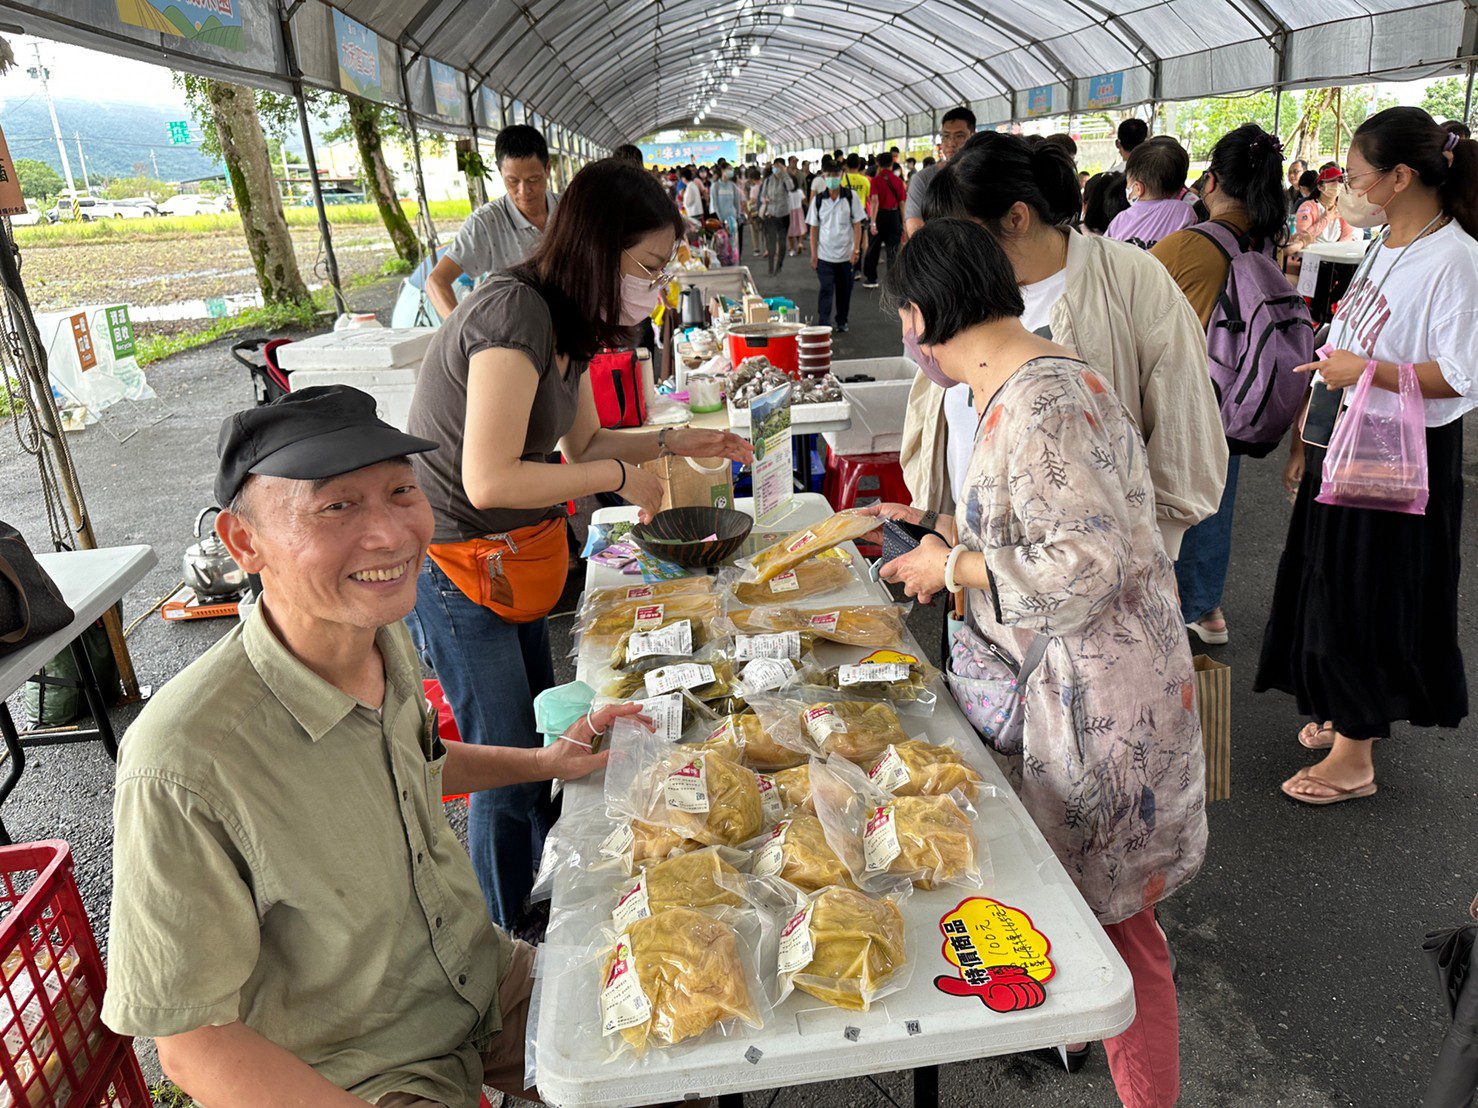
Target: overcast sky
{"x": 87, "y": 75}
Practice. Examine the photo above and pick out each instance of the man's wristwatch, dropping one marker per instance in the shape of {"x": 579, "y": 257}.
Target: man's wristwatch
{"x": 929, "y": 519}
{"x": 663, "y": 450}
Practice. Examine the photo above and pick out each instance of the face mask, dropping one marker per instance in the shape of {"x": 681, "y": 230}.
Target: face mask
{"x": 833, "y": 182}
{"x": 556, "y": 710}
{"x": 1359, "y": 210}
{"x": 926, "y": 362}
{"x": 638, "y": 298}
{"x": 1135, "y": 197}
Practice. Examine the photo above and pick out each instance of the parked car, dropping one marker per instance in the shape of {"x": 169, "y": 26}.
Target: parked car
{"x": 136, "y": 207}
{"x": 28, "y": 218}
{"x": 194, "y": 204}
{"x": 89, "y": 208}
{"x": 335, "y": 194}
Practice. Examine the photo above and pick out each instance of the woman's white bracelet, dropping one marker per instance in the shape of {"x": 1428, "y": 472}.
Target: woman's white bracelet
{"x": 949, "y": 569}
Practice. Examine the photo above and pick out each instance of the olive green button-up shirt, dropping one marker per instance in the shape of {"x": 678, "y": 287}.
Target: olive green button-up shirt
{"x": 281, "y": 857}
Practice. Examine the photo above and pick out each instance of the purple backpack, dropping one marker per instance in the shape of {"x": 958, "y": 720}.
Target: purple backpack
{"x": 1259, "y": 330}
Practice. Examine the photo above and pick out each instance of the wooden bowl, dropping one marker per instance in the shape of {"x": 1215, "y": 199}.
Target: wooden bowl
{"x": 679, "y": 534}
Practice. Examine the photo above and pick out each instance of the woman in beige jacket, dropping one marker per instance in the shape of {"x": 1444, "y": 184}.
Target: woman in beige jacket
{"x": 1110, "y": 302}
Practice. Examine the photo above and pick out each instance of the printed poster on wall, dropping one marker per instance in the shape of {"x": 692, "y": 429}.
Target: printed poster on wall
{"x": 1106, "y": 90}
{"x": 769, "y": 430}
{"x": 447, "y": 92}
{"x": 11, "y": 200}
{"x": 214, "y": 22}
{"x": 358, "y": 51}
{"x": 1039, "y": 100}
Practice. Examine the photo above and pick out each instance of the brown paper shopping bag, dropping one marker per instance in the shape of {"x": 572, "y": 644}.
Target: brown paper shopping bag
{"x": 1214, "y": 703}
{"x": 694, "y": 482}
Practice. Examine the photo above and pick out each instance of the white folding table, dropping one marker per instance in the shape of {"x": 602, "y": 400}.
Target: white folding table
{"x": 1090, "y": 996}
{"x": 91, "y": 582}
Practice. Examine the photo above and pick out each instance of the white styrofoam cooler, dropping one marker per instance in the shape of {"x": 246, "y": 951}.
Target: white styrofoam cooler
{"x": 391, "y": 388}
{"x": 358, "y": 348}
{"x": 878, "y": 406}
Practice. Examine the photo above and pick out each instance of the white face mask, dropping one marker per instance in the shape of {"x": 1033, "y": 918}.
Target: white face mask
{"x": 1359, "y": 210}
{"x": 1135, "y": 197}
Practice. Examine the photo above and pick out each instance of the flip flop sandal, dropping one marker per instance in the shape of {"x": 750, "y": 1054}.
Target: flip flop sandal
{"x": 1208, "y": 636}
{"x": 1340, "y": 795}
{"x": 1309, "y": 736}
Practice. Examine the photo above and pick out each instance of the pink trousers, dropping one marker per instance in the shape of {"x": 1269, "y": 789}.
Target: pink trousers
{"x": 1145, "y": 1059}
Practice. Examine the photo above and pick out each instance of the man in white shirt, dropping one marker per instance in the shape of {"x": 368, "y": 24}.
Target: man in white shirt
{"x": 501, "y": 232}
{"x": 835, "y": 219}
{"x": 955, "y": 130}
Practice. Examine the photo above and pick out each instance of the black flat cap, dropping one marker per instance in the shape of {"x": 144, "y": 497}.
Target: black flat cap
{"x": 308, "y": 434}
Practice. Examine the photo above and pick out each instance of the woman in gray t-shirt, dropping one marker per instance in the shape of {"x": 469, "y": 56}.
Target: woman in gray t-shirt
{"x": 503, "y": 385}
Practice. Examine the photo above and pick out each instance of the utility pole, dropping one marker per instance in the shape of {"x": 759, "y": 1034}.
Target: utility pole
{"x": 155, "y": 160}
{"x": 82, "y": 161}
{"x": 38, "y": 72}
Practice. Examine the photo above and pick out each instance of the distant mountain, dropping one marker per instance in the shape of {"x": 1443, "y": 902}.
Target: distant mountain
{"x": 117, "y": 139}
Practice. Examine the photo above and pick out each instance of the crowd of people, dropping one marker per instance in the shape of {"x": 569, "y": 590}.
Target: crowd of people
{"x": 1065, "y": 441}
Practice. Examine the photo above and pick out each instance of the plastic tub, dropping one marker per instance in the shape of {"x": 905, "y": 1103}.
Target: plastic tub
{"x": 776, "y": 341}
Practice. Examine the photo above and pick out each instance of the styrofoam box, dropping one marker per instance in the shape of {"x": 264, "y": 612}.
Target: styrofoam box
{"x": 358, "y": 348}
{"x": 878, "y": 406}
{"x": 391, "y": 388}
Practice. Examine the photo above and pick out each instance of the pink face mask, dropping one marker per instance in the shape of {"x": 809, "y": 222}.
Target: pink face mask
{"x": 925, "y": 361}
{"x": 638, "y": 298}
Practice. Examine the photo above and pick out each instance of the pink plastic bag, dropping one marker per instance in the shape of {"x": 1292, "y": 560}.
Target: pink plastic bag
{"x": 1377, "y": 458}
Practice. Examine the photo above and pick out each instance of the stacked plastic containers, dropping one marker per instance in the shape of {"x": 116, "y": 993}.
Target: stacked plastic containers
{"x": 815, "y": 351}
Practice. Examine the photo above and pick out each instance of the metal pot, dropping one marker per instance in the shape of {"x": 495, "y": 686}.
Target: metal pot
{"x": 207, "y": 565}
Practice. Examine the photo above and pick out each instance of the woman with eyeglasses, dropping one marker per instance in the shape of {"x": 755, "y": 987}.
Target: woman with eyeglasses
{"x": 503, "y": 385}
{"x": 1318, "y": 219}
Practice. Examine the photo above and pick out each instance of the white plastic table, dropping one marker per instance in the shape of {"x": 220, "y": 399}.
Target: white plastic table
{"x": 91, "y": 582}
{"x": 1090, "y": 996}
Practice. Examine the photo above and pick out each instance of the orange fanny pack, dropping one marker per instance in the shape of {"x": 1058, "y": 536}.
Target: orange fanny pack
{"x": 519, "y": 575}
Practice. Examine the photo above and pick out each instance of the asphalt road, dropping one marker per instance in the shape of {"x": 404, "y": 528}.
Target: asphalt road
{"x": 1298, "y": 945}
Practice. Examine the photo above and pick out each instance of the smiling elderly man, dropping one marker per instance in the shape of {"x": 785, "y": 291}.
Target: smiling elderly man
{"x": 292, "y": 915}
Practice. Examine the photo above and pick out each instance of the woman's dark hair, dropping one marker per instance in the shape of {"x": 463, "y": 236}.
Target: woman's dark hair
{"x": 1411, "y": 137}
{"x": 1458, "y": 127}
{"x": 928, "y": 159}
{"x": 1104, "y": 196}
{"x": 956, "y": 274}
{"x": 1309, "y": 181}
{"x": 993, "y": 171}
{"x": 576, "y": 266}
{"x": 1064, "y": 140}
{"x": 1160, "y": 165}
{"x": 520, "y": 141}
{"x": 1248, "y": 166}
{"x": 630, "y": 151}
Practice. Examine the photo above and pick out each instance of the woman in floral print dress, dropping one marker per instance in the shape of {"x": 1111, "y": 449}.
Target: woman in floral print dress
{"x": 1056, "y": 536}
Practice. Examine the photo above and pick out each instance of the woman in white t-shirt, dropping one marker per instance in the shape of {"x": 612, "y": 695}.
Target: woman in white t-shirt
{"x": 1363, "y": 629}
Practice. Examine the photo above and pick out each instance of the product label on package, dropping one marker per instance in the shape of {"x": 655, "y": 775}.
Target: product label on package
{"x": 647, "y": 617}
{"x": 666, "y": 714}
{"x": 770, "y": 858}
{"x": 618, "y": 843}
{"x": 622, "y": 1003}
{"x": 796, "y": 946}
{"x": 686, "y": 789}
{"x": 880, "y": 840}
{"x": 689, "y": 675}
{"x": 825, "y": 624}
{"x": 800, "y": 542}
{"x": 869, "y": 673}
{"x": 786, "y": 582}
{"x": 633, "y": 905}
{"x": 764, "y": 674}
{"x": 640, "y": 592}
{"x": 782, "y": 644}
{"x": 822, "y": 722}
{"x": 890, "y": 773}
{"x": 769, "y": 796}
{"x": 675, "y": 638}
{"x": 728, "y": 731}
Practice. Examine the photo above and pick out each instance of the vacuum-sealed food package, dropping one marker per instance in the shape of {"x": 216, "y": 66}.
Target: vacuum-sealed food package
{"x": 615, "y": 596}
{"x": 797, "y": 851}
{"x": 683, "y": 881}
{"x": 899, "y": 677}
{"x": 665, "y": 642}
{"x": 635, "y": 843}
{"x": 795, "y": 789}
{"x": 845, "y": 947}
{"x": 793, "y": 550}
{"x": 605, "y": 623}
{"x": 709, "y": 677}
{"x": 675, "y": 975}
{"x": 745, "y": 735}
{"x": 819, "y": 721}
{"x": 918, "y": 768}
{"x": 930, "y": 840}
{"x": 806, "y": 581}
{"x": 872, "y": 625}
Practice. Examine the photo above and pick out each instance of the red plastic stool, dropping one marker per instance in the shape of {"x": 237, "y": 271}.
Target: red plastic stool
{"x": 843, "y": 486}
{"x": 446, "y": 726}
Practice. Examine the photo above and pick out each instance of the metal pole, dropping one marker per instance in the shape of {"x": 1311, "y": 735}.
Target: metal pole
{"x": 1468, "y": 96}
{"x": 1278, "y": 115}
{"x": 295, "y": 75}
{"x": 56, "y": 128}
{"x": 410, "y": 117}
{"x": 82, "y": 161}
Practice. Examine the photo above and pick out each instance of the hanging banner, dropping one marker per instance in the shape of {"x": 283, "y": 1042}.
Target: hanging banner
{"x": 1106, "y": 90}
{"x": 446, "y": 92}
{"x": 774, "y": 466}
{"x": 681, "y": 153}
{"x": 1039, "y": 100}
{"x": 358, "y": 51}
{"x": 11, "y": 200}
{"x": 215, "y": 22}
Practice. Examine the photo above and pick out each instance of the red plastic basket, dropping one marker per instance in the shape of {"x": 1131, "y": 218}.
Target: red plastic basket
{"x": 56, "y": 1049}
{"x": 122, "y": 1085}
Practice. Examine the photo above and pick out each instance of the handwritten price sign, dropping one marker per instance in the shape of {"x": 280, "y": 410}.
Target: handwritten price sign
{"x": 998, "y": 955}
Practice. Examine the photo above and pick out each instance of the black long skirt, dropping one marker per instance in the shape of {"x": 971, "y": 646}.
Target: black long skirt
{"x": 1363, "y": 629}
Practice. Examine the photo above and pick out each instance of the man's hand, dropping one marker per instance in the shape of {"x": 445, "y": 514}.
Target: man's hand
{"x": 569, "y": 758}
{"x": 696, "y": 442}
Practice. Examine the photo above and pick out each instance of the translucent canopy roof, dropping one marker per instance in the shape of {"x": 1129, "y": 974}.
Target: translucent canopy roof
{"x": 813, "y": 72}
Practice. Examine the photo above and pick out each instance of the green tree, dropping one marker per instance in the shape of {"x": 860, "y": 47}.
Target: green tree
{"x": 1444, "y": 98}
{"x": 368, "y": 120}
{"x": 120, "y": 188}
{"x": 1200, "y": 123}
{"x": 38, "y": 180}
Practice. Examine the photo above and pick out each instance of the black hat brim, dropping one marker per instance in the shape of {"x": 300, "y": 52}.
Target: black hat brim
{"x": 338, "y": 452}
